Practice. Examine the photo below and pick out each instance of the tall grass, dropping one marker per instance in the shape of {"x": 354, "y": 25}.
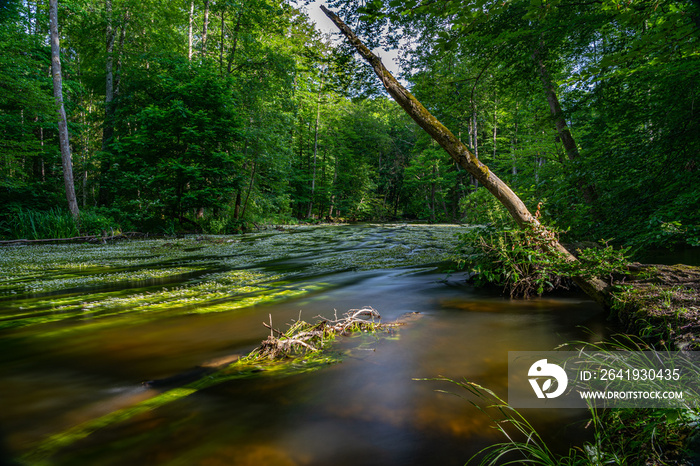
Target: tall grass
{"x": 36, "y": 224}
{"x": 621, "y": 436}
{"x": 523, "y": 444}
{"x": 55, "y": 223}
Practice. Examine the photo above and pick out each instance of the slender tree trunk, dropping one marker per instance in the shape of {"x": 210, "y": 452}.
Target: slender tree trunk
{"x": 232, "y": 55}
{"x": 313, "y": 173}
{"x": 475, "y": 130}
{"x": 335, "y": 178}
{"x": 62, "y": 120}
{"x": 237, "y": 205}
{"x": 205, "y": 27}
{"x": 108, "y": 124}
{"x": 120, "y": 53}
{"x": 514, "y": 144}
{"x": 221, "y": 45}
{"x": 432, "y": 196}
{"x": 495, "y": 124}
{"x": 250, "y": 189}
{"x": 108, "y": 127}
{"x": 587, "y": 189}
{"x": 190, "y": 32}
{"x": 595, "y": 288}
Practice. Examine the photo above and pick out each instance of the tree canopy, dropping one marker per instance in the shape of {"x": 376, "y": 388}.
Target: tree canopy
{"x": 212, "y": 115}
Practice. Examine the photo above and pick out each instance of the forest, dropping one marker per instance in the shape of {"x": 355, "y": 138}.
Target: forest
{"x": 217, "y": 116}
{"x": 258, "y": 169}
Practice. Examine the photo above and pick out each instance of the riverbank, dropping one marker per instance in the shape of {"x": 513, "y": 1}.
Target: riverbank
{"x": 659, "y": 304}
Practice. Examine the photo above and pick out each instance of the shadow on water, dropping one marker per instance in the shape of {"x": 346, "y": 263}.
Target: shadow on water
{"x": 369, "y": 409}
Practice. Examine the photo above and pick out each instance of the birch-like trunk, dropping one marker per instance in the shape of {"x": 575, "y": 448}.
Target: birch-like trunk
{"x": 595, "y": 288}
{"x": 108, "y": 127}
{"x": 190, "y": 32}
{"x": 64, "y": 140}
{"x": 205, "y": 27}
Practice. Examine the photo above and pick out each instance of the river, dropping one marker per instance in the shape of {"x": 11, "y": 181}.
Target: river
{"x": 82, "y": 326}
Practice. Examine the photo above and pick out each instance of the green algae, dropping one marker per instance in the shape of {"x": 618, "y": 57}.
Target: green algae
{"x": 45, "y": 284}
{"x": 69, "y": 291}
{"x": 303, "y": 355}
{"x": 41, "y": 454}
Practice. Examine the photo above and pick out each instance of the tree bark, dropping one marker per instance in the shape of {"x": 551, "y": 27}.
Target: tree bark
{"x": 587, "y": 190}
{"x": 205, "y": 27}
{"x": 190, "y": 32}
{"x": 313, "y": 173}
{"x": 250, "y": 189}
{"x": 232, "y": 55}
{"x": 495, "y": 124}
{"x": 60, "y": 108}
{"x": 108, "y": 128}
{"x": 595, "y": 288}
{"x": 221, "y": 44}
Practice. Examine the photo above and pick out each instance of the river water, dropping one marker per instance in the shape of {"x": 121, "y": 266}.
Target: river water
{"x": 82, "y": 326}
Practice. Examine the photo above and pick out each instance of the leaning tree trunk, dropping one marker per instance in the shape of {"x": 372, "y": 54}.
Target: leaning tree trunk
{"x": 62, "y": 121}
{"x": 595, "y": 288}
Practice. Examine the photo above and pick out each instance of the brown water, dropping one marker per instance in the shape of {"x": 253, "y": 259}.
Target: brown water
{"x": 367, "y": 410}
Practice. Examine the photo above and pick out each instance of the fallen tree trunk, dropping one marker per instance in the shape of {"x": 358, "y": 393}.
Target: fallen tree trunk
{"x": 595, "y": 288}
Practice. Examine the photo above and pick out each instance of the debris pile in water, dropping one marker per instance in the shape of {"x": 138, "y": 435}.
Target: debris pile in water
{"x": 303, "y": 337}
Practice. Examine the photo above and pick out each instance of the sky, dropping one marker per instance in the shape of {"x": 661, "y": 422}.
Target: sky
{"x": 325, "y": 25}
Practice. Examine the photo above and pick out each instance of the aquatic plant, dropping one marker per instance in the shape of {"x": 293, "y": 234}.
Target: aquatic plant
{"x": 155, "y": 278}
{"x": 302, "y": 348}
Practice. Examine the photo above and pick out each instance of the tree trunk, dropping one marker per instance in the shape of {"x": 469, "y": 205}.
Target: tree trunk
{"x": 221, "y": 45}
{"x": 237, "y": 205}
{"x": 108, "y": 128}
{"x": 514, "y": 144}
{"x": 190, "y": 32}
{"x": 587, "y": 189}
{"x": 313, "y": 173}
{"x": 250, "y": 189}
{"x": 62, "y": 120}
{"x": 232, "y": 55}
{"x": 205, "y": 27}
{"x": 595, "y": 288}
{"x": 432, "y": 196}
{"x": 495, "y": 124}
{"x": 120, "y": 53}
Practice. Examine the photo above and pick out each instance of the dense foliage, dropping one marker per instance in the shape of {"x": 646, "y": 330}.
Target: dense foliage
{"x": 213, "y": 115}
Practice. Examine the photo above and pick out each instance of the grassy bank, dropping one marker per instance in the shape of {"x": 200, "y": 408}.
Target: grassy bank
{"x": 658, "y": 307}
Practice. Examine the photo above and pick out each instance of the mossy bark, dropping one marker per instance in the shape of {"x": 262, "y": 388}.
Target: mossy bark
{"x": 595, "y": 288}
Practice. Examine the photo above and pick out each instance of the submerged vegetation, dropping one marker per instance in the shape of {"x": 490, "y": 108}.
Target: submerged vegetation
{"x": 302, "y": 348}
{"x": 52, "y": 283}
